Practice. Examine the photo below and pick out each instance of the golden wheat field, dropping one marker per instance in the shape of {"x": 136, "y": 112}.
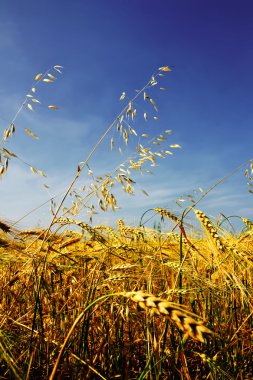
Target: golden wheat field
{"x": 83, "y": 302}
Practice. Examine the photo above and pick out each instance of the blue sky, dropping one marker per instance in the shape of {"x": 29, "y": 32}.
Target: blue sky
{"x": 107, "y": 47}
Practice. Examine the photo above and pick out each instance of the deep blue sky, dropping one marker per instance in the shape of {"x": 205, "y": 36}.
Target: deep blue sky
{"x": 107, "y": 47}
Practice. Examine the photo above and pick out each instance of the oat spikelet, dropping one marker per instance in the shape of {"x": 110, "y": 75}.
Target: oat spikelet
{"x": 186, "y": 321}
{"x": 208, "y": 226}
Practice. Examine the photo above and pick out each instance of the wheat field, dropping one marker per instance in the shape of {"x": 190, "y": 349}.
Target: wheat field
{"x": 126, "y": 303}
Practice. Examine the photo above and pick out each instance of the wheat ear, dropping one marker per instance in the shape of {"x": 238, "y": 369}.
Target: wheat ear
{"x": 121, "y": 228}
{"x": 8, "y": 229}
{"x": 248, "y": 223}
{"x": 178, "y": 222}
{"x": 169, "y": 215}
{"x": 186, "y": 321}
{"x": 209, "y": 228}
{"x": 95, "y": 235}
{"x": 110, "y": 231}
